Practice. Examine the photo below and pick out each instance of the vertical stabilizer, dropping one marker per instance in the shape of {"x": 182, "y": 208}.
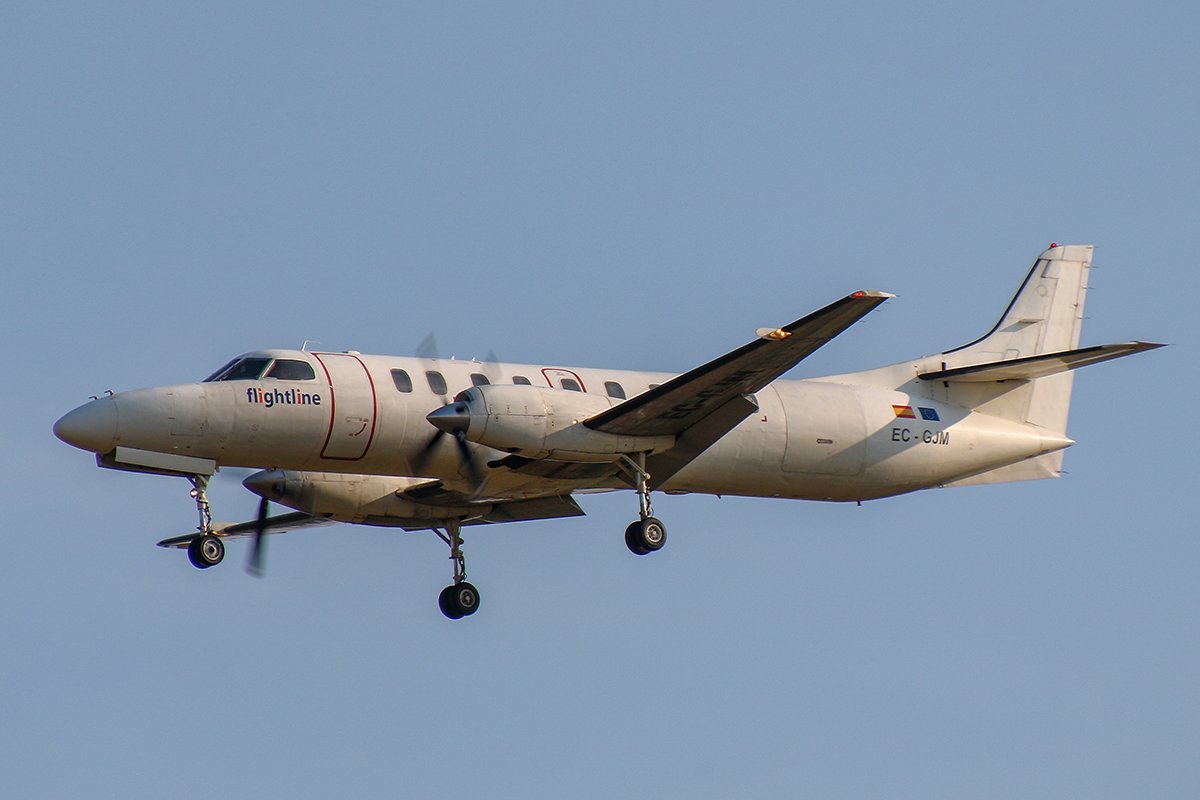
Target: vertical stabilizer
{"x": 1045, "y": 316}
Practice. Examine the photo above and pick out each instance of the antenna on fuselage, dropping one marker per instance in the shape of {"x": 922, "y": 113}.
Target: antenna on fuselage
{"x": 307, "y": 342}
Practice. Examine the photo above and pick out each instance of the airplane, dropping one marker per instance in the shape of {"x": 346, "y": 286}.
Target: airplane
{"x": 430, "y": 444}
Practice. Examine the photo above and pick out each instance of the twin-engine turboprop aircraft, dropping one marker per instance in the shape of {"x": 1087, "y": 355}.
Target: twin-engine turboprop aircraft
{"x": 377, "y": 440}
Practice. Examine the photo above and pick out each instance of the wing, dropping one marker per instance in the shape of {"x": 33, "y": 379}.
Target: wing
{"x": 483, "y": 513}
{"x": 236, "y": 530}
{"x": 682, "y": 402}
{"x": 552, "y": 507}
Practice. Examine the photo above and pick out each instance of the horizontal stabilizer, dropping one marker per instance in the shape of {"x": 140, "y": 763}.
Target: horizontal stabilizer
{"x": 1039, "y": 366}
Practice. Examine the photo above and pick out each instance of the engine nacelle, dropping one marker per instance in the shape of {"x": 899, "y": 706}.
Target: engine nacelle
{"x": 373, "y": 499}
{"x": 540, "y": 422}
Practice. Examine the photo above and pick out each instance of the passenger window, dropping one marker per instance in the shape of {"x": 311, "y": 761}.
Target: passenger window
{"x": 654, "y": 386}
{"x": 402, "y": 380}
{"x": 614, "y": 389}
{"x": 570, "y": 384}
{"x": 521, "y": 380}
{"x": 286, "y": 369}
{"x": 479, "y": 380}
{"x": 437, "y": 384}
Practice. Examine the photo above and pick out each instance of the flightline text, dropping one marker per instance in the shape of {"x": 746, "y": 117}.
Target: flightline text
{"x": 276, "y": 397}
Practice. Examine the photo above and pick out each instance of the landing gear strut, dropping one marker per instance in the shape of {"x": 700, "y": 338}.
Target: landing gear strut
{"x": 647, "y": 534}
{"x": 460, "y": 599}
{"x": 207, "y": 549}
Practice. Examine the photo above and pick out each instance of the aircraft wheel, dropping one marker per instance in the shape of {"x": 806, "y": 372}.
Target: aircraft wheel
{"x": 458, "y": 601}
{"x": 206, "y": 551}
{"x": 645, "y": 536}
{"x": 653, "y": 534}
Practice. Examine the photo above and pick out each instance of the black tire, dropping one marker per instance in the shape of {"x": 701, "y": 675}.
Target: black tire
{"x": 633, "y": 539}
{"x": 206, "y": 551}
{"x": 458, "y": 601}
{"x": 447, "y": 605}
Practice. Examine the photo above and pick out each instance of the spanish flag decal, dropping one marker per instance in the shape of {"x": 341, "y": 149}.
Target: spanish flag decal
{"x": 905, "y": 412}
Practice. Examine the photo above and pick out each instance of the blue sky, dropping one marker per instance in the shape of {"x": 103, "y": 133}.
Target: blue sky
{"x": 634, "y": 185}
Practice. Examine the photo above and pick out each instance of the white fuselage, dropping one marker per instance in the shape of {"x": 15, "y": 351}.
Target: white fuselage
{"x": 810, "y": 439}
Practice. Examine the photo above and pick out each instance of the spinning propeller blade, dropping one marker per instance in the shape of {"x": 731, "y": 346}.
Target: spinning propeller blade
{"x": 256, "y": 564}
{"x": 428, "y": 350}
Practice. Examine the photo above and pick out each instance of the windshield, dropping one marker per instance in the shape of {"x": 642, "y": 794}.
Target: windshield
{"x": 240, "y": 369}
{"x": 286, "y": 369}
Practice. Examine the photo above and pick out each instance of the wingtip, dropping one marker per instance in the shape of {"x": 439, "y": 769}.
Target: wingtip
{"x": 883, "y": 295}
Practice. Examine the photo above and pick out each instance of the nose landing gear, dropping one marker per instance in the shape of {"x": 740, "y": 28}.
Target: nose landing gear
{"x": 460, "y": 599}
{"x": 207, "y": 549}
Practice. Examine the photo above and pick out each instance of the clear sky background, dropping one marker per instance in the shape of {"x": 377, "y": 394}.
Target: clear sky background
{"x": 629, "y": 185}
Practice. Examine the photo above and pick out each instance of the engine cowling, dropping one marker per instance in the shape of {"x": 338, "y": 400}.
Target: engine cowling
{"x": 373, "y": 499}
{"x": 539, "y": 422}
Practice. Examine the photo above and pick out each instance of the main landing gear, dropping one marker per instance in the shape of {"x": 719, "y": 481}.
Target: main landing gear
{"x": 460, "y": 599}
{"x": 647, "y": 534}
{"x": 207, "y": 549}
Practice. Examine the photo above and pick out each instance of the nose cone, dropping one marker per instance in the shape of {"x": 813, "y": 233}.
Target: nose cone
{"x": 452, "y": 419}
{"x": 268, "y": 483}
{"x": 92, "y": 426}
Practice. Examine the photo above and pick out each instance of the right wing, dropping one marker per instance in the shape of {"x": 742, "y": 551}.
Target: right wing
{"x": 237, "y": 530}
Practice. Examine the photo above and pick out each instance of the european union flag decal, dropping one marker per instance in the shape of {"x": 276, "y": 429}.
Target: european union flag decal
{"x": 929, "y": 414}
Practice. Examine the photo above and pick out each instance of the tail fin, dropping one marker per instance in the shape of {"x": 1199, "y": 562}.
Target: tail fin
{"x": 1045, "y": 316}
{"x": 1023, "y": 368}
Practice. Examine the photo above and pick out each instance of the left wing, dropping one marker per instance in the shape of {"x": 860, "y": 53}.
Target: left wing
{"x": 680, "y": 403}
{"x": 701, "y": 406}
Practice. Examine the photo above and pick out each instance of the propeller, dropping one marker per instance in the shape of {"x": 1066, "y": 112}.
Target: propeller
{"x": 428, "y": 351}
{"x": 256, "y": 564}
{"x": 455, "y": 427}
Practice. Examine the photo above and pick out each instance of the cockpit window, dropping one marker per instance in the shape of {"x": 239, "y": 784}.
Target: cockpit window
{"x": 216, "y": 375}
{"x": 241, "y": 369}
{"x": 286, "y": 369}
